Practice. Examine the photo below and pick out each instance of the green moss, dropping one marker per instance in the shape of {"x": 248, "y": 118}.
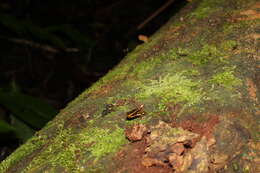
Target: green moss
{"x": 63, "y": 148}
{"x": 173, "y": 54}
{"x": 206, "y": 54}
{"x": 26, "y": 149}
{"x": 202, "y": 12}
{"x": 221, "y": 88}
{"x": 236, "y": 28}
{"x": 66, "y": 157}
{"x": 184, "y": 87}
{"x": 60, "y": 152}
{"x": 192, "y": 72}
{"x": 145, "y": 66}
{"x": 172, "y": 88}
{"x": 179, "y": 52}
{"x": 206, "y": 7}
{"x": 104, "y": 141}
{"x": 229, "y": 28}
{"x": 226, "y": 79}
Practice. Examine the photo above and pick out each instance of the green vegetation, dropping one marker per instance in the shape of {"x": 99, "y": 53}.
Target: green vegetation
{"x": 104, "y": 141}
{"x": 30, "y": 110}
{"x": 206, "y": 7}
{"x": 27, "y": 29}
{"x": 100, "y": 142}
{"x": 185, "y": 76}
{"x": 226, "y": 78}
{"x": 205, "y": 55}
{"x": 27, "y": 113}
{"x": 229, "y": 45}
{"x": 174, "y": 88}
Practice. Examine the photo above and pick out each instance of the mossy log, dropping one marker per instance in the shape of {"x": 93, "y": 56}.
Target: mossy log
{"x": 185, "y": 101}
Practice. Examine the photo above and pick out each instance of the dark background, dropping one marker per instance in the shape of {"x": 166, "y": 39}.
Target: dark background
{"x": 52, "y": 50}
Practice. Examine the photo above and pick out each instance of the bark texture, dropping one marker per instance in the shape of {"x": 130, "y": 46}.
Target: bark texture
{"x": 185, "y": 101}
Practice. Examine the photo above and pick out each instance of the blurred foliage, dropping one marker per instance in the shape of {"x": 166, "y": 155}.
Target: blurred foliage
{"x": 72, "y": 35}
{"x": 34, "y": 112}
{"x": 27, "y": 113}
{"x": 54, "y": 35}
{"x": 5, "y": 127}
{"x": 21, "y": 130}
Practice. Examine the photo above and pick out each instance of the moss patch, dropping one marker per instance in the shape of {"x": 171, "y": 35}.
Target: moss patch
{"x": 229, "y": 45}
{"x": 172, "y": 88}
{"x": 60, "y": 152}
{"x": 105, "y": 142}
{"x": 206, "y": 7}
{"x": 226, "y": 79}
{"x": 206, "y": 54}
{"x": 63, "y": 149}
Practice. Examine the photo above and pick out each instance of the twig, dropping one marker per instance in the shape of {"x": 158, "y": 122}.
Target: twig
{"x": 45, "y": 47}
{"x": 163, "y": 7}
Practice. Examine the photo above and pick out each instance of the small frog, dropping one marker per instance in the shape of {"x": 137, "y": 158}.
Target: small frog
{"x": 135, "y": 113}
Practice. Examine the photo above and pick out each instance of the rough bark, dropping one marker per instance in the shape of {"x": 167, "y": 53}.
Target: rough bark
{"x": 190, "y": 94}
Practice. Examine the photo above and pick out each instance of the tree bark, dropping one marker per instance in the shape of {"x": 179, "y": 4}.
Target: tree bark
{"x": 185, "y": 101}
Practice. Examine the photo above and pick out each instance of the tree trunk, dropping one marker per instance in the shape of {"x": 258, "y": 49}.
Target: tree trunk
{"x": 185, "y": 101}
